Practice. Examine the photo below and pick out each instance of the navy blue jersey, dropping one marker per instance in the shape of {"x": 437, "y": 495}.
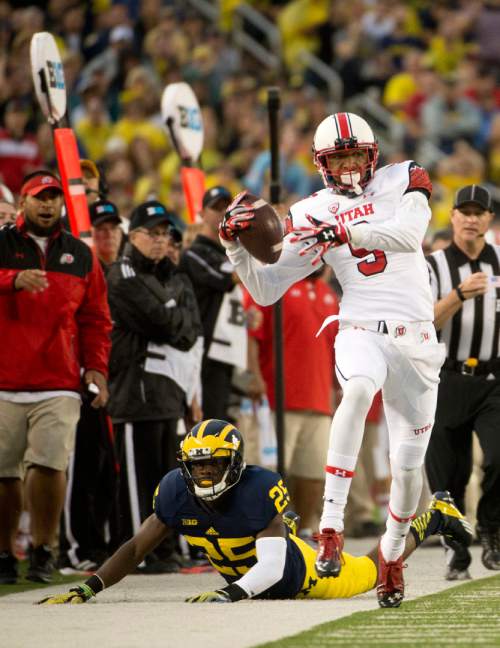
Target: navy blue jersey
{"x": 227, "y": 536}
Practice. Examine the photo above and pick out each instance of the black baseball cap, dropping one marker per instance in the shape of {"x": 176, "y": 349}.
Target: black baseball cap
{"x": 149, "y": 214}
{"x": 475, "y": 194}
{"x": 153, "y": 213}
{"x": 213, "y": 195}
{"x": 104, "y": 211}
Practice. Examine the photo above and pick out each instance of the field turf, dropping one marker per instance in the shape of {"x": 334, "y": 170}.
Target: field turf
{"x": 465, "y": 615}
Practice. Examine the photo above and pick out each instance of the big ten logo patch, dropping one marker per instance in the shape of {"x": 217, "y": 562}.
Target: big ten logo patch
{"x": 190, "y": 118}
{"x": 189, "y": 521}
{"x": 236, "y": 313}
{"x": 56, "y": 74}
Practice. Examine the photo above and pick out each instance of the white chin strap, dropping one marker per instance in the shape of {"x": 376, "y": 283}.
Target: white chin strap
{"x": 352, "y": 179}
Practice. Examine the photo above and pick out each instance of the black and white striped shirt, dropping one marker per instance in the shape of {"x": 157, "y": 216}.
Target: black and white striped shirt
{"x": 473, "y": 332}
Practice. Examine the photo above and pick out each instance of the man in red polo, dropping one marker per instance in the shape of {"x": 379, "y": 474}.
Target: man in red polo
{"x": 55, "y": 325}
{"x": 309, "y": 377}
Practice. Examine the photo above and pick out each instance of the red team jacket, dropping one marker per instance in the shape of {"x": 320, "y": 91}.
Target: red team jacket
{"x": 47, "y": 337}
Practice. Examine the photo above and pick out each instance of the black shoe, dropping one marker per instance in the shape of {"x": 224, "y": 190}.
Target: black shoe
{"x": 367, "y": 529}
{"x": 41, "y": 564}
{"x": 152, "y": 564}
{"x": 454, "y": 526}
{"x": 8, "y": 568}
{"x": 490, "y": 541}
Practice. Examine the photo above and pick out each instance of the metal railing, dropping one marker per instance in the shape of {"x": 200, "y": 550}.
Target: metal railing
{"x": 269, "y": 50}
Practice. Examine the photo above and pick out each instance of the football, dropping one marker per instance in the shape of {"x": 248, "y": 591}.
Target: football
{"x": 264, "y": 238}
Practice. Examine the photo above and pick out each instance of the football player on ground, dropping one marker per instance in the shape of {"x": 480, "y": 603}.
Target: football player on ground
{"x": 368, "y": 225}
{"x": 236, "y": 515}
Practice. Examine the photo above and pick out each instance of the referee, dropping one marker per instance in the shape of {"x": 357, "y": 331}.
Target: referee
{"x": 465, "y": 279}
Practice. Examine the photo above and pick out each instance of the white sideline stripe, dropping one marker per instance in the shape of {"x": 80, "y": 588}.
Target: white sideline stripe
{"x": 131, "y": 477}
{"x": 73, "y": 544}
{"x": 277, "y": 247}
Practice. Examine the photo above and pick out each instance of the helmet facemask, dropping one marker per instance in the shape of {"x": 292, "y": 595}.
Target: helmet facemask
{"x": 352, "y": 179}
{"x": 224, "y": 471}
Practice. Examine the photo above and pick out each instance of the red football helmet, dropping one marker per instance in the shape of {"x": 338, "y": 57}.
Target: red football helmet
{"x": 339, "y": 135}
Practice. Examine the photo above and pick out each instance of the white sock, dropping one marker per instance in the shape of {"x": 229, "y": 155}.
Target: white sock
{"x": 336, "y": 491}
{"x": 405, "y": 492}
{"x": 346, "y": 435}
{"x": 393, "y": 541}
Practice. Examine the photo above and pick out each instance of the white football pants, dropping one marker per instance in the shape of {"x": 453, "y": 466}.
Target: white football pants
{"x": 405, "y": 364}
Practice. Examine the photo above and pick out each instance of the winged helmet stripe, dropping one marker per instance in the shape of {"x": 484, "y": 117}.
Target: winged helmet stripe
{"x": 226, "y": 430}
{"x": 201, "y": 429}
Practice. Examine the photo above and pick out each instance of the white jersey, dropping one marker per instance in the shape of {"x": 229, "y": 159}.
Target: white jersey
{"x": 382, "y": 271}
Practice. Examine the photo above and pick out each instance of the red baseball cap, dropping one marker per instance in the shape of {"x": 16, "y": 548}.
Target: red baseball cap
{"x": 38, "y": 183}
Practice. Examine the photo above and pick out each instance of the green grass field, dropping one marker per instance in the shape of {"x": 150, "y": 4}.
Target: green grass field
{"x": 23, "y": 585}
{"x": 467, "y": 615}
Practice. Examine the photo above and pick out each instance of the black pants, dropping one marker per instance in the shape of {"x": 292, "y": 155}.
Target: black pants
{"x": 216, "y": 386}
{"x": 87, "y": 520}
{"x": 146, "y": 452}
{"x": 467, "y": 404}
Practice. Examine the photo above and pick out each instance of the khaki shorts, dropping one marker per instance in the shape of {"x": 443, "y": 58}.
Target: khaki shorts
{"x": 306, "y": 444}
{"x": 40, "y": 433}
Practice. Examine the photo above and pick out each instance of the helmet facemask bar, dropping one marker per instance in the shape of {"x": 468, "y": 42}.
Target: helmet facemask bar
{"x": 349, "y": 182}
{"x": 229, "y": 478}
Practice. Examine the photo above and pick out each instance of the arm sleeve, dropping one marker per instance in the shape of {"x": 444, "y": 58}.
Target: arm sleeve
{"x": 267, "y": 283}
{"x": 94, "y": 322}
{"x": 269, "y": 568}
{"x": 403, "y": 233}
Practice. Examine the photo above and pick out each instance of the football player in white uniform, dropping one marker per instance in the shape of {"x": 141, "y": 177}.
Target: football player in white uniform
{"x": 368, "y": 225}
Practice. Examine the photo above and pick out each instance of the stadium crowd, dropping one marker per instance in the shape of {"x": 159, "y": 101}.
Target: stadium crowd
{"x": 433, "y": 66}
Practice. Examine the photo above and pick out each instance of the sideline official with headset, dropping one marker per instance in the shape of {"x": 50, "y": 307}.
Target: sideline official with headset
{"x": 465, "y": 279}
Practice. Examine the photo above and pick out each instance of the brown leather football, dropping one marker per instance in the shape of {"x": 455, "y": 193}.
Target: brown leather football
{"x": 264, "y": 238}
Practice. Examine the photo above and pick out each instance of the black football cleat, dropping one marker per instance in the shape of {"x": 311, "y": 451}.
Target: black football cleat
{"x": 41, "y": 564}
{"x": 329, "y": 557}
{"x": 456, "y": 536}
{"x": 390, "y": 582}
{"x": 454, "y": 526}
{"x": 8, "y": 568}
{"x": 490, "y": 542}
